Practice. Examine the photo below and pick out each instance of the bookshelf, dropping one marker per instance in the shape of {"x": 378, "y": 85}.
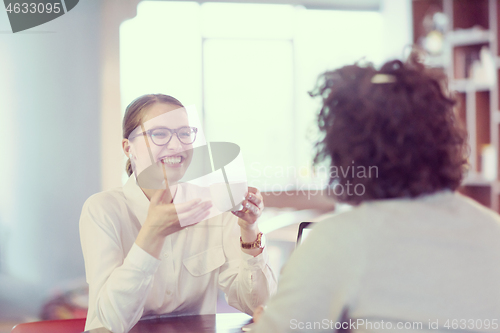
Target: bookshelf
{"x": 462, "y": 37}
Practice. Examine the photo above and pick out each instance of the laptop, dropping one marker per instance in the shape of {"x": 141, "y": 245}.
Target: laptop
{"x": 304, "y": 229}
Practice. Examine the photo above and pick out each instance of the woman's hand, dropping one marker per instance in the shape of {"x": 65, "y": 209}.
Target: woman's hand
{"x": 252, "y": 209}
{"x": 164, "y": 219}
{"x": 258, "y": 312}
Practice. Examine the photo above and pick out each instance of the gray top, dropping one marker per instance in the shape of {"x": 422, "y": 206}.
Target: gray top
{"x": 430, "y": 260}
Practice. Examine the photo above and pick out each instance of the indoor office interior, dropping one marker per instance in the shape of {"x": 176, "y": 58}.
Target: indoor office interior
{"x": 246, "y": 67}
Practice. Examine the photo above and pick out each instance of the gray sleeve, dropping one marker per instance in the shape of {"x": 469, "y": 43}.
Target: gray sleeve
{"x": 318, "y": 281}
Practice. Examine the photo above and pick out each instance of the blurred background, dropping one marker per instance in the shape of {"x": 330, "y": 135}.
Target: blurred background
{"x": 246, "y": 67}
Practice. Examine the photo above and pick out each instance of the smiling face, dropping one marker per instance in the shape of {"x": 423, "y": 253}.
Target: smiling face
{"x": 155, "y": 162}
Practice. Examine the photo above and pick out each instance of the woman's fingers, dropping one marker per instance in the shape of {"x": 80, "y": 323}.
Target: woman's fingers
{"x": 251, "y": 207}
{"x": 167, "y": 218}
{"x": 156, "y": 198}
{"x": 187, "y": 206}
{"x": 166, "y": 197}
{"x": 258, "y": 313}
{"x": 254, "y": 199}
{"x": 250, "y": 218}
{"x": 161, "y": 197}
{"x": 193, "y": 219}
{"x": 196, "y": 214}
{"x": 200, "y": 217}
{"x": 254, "y": 196}
{"x": 250, "y": 212}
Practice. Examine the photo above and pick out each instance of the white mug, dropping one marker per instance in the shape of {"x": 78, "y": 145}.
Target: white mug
{"x": 221, "y": 196}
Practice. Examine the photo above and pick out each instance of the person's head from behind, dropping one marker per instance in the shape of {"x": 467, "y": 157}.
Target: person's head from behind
{"x": 157, "y": 139}
{"x": 389, "y": 133}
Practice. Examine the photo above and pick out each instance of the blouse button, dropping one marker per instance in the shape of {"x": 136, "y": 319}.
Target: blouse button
{"x": 169, "y": 292}
{"x": 165, "y": 255}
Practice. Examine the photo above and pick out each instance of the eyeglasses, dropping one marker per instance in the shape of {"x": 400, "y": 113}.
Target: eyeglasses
{"x": 162, "y": 136}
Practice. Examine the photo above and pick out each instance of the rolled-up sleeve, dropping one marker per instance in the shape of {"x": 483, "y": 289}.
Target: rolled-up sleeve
{"x": 247, "y": 281}
{"x": 119, "y": 280}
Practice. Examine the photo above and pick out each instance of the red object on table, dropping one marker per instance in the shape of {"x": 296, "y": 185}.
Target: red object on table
{"x": 52, "y": 326}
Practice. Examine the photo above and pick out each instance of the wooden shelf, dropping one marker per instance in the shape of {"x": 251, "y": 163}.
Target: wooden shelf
{"x": 474, "y": 24}
{"x": 464, "y": 56}
{"x": 467, "y": 85}
{"x": 470, "y": 37}
{"x": 467, "y": 14}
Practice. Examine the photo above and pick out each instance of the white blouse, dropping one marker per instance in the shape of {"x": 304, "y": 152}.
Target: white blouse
{"x": 126, "y": 283}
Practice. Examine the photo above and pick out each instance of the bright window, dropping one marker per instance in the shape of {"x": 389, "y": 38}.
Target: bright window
{"x": 247, "y": 68}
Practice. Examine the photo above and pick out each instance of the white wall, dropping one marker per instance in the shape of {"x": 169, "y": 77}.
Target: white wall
{"x": 398, "y": 27}
{"x": 50, "y": 151}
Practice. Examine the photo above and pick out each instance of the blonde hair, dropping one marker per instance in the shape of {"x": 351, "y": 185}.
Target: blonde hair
{"x": 134, "y": 114}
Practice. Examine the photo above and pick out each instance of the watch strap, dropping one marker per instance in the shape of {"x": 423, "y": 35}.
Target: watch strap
{"x": 253, "y": 245}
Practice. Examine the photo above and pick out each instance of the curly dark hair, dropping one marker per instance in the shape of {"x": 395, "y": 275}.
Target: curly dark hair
{"x": 397, "y": 124}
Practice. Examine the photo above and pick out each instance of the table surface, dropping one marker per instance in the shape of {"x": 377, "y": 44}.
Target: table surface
{"x": 219, "y": 323}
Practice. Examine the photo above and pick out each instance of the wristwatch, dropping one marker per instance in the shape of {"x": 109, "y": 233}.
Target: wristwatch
{"x": 259, "y": 243}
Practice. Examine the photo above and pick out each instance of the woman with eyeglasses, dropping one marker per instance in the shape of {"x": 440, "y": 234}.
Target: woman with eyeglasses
{"x": 140, "y": 260}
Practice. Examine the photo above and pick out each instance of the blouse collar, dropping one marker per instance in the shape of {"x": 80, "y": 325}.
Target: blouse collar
{"x": 137, "y": 200}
